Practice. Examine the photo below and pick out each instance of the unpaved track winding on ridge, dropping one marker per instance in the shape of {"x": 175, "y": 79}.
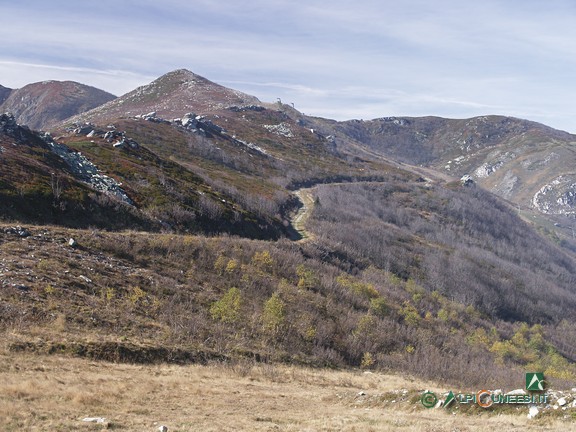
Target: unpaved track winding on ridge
{"x": 299, "y": 220}
{"x": 306, "y": 195}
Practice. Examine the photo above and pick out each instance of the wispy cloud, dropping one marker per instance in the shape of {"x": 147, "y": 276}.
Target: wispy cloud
{"x": 114, "y": 81}
{"x": 364, "y": 59}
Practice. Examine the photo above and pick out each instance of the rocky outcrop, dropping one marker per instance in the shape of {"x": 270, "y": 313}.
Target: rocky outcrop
{"x": 466, "y": 180}
{"x": 152, "y": 117}
{"x": 86, "y": 171}
{"x": 235, "y": 108}
{"x": 281, "y": 129}
{"x": 116, "y": 138}
{"x": 557, "y": 197}
{"x": 10, "y": 127}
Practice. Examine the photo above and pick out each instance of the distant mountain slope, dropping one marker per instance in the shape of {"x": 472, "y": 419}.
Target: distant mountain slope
{"x": 432, "y": 140}
{"x": 93, "y": 183}
{"x": 41, "y": 105}
{"x": 527, "y": 163}
{"x": 172, "y": 95}
{"x": 243, "y": 148}
{"x": 4, "y": 93}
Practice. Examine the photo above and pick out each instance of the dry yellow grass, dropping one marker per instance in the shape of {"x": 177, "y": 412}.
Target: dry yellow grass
{"x": 41, "y": 393}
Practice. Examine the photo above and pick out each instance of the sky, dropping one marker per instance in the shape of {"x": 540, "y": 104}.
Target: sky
{"x": 338, "y": 59}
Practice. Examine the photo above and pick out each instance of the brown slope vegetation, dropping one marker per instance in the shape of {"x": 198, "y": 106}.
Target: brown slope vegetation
{"x": 226, "y": 159}
{"x": 37, "y": 186}
{"x": 240, "y": 135}
{"x": 246, "y": 151}
{"x": 169, "y": 193}
{"x": 142, "y": 297}
{"x": 462, "y": 242}
{"x": 44, "y": 104}
{"x": 524, "y": 162}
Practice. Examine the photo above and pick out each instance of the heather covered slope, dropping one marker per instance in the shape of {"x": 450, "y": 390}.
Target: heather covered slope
{"x": 249, "y": 151}
{"x": 36, "y": 185}
{"x": 42, "y": 105}
{"x": 45, "y": 181}
{"x": 525, "y": 162}
{"x": 403, "y": 270}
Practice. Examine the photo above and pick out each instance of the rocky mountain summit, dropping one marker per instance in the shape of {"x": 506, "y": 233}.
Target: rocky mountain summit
{"x": 170, "y": 96}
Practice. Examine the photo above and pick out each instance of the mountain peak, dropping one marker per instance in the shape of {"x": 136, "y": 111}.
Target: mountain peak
{"x": 42, "y": 104}
{"x": 171, "y": 96}
{"x": 181, "y": 73}
{"x": 179, "y": 77}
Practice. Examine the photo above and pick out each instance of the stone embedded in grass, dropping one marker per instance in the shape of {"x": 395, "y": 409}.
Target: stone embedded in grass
{"x": 19, "y": 231}
{"x": 94, "y": 419}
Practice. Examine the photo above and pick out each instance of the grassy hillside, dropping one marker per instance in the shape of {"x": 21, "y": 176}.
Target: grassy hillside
{"x": 144, "y": 298}
{"x": 398, "y": 270}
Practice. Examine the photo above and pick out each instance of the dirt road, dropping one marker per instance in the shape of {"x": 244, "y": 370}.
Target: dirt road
{"x": 299, "y": 220}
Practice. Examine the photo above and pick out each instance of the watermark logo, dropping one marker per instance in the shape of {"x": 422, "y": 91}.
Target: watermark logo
{"x": 484, "y": 398}
{"x": 535, "y": 381}
{"x": 488, "y": 398}
{"x": 449, "y": 399}
{"x": 429, "y": 400}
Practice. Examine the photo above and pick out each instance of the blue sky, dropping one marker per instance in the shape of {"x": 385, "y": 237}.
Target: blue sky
{"x": 336, "y": 59}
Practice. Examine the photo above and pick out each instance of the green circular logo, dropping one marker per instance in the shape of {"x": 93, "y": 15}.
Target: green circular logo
{"x": 429, "y": 400}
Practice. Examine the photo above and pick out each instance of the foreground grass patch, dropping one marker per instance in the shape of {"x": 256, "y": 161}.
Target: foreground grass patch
{"x": 56, "y": 393}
